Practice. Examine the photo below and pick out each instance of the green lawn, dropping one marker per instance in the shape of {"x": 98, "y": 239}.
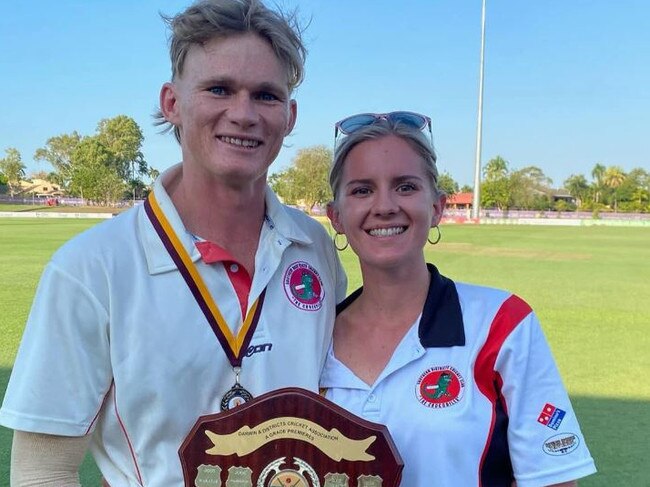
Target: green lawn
{"x": 61, "y": 209}
{"x": 590, "y": 287}
{"x": 11, "y": 207}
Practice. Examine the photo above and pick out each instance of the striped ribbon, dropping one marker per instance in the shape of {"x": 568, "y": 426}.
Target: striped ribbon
{"x": 233, "y": 345}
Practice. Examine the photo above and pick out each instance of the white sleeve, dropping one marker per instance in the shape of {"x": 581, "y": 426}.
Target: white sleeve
{"x": 62, "y": 371}
{"x": 45, "y": 460}
{"x": 544, "y": 437}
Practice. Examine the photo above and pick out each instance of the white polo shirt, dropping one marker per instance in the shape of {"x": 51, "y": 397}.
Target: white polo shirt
{"x": 471, "y": 395}
{"x": 116, "y": 346}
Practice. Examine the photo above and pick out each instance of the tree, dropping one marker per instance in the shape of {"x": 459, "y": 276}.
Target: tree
{"x": 597, "y": 174}
{"x": 93, "y": 174}
{"x": 283, "y": 185}
{"x": 123, "y": 138}
{"x": 153, "y": 174}
{"x": 496, "y": 169}
{"x": 640, "y": 198}
{"x": 466, "y": 189}
{"x": 578, "y": 187}
{"x": 613, "y": 178}
{"x": 635, "y": 190}
{"x": 531, "y": 189}
{"x": 447, "y": 183}
{"x": 119, "y": 161}
{"x": 13, "y": 169}
{"x": 39, "y": 175}
{"x": 562, "y": 205}
{"x": 496, "y": 190}
{"x": 496, "y": 194}
{"x": 58, "y": 152}
{"x": 307, "y": 179}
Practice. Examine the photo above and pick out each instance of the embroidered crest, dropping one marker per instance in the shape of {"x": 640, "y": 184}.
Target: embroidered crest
{"x": 440, "y": 387}
{"x": 551, "y": 416}
{"x": 303, "y": 286}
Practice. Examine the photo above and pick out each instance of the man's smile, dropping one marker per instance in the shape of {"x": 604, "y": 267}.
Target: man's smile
{"x": 239, "y": 142}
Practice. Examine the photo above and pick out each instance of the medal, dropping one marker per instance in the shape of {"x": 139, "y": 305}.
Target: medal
{"x": 237, "y": 395}
{"x": 234, "y": 345}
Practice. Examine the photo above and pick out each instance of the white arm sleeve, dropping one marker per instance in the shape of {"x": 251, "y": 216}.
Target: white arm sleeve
{"x": 39, "y": 460}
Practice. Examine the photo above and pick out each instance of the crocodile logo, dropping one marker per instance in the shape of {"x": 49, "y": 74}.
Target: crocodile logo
{"x": 440, "y": 387}
{"x": 303, "y": 286}
{"x": 306, "y": 287}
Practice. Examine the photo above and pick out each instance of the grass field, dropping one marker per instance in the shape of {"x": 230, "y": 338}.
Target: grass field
{"x": 60, "y": 209}
{"x": 11, "y": 207}
{"x": 590, "y": 287}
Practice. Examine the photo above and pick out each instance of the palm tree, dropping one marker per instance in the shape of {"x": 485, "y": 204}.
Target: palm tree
{"x": 153, "y": 173}
{"x": 597, "y": 173}
{"x": 577, "y": 186}
{"x": 496, "y": 188}
{"x": 496, "y": 168}
{"x": 613, "y": 178}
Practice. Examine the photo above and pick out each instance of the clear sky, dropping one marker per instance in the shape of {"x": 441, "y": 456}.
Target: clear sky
{"x": 567, "y": 82}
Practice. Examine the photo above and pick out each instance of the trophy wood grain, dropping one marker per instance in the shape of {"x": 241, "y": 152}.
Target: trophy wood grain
{"x": 291, "y": 403}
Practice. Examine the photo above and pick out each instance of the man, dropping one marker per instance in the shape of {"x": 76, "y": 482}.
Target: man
{"x": 194, "y": 301}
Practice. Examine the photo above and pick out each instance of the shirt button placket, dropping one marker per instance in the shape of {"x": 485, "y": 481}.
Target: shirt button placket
{"x": 373, "y": 403}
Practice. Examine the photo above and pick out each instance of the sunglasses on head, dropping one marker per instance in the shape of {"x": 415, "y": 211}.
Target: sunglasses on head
{"x": 354, "y": 123}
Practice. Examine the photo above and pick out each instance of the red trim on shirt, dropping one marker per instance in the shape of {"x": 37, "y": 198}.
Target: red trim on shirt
{"x": 101, "y": 406}
{"x": 128, "y": 440}
{"x": 510, "y": 314}
{"x": 241, "y": 281}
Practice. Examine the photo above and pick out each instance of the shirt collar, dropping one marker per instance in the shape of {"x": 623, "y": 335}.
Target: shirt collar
{"x": 158, "y": 259}
{"x": 277, "y": 219}
{"x": 441, "y": 324}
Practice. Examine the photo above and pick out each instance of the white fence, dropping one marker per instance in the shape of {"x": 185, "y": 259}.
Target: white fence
{"x": 52, "y": 214}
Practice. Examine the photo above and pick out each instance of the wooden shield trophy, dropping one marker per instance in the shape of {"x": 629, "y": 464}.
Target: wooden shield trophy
{"x": 289, "y": 438}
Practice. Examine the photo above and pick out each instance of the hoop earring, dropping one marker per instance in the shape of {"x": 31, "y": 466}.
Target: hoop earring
{"x": 437, "y": 239}
{"x": 336, "y": 244}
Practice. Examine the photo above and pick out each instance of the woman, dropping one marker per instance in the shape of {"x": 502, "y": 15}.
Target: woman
{"x": 461, "y": 374}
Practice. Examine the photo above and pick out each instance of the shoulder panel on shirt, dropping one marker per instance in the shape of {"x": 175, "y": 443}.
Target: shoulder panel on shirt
{"x": 510, "y": 314}
{"x": 496, "y": 454}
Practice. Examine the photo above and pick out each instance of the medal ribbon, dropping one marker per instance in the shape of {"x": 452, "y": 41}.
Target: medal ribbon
{"x": 233, "y": 345}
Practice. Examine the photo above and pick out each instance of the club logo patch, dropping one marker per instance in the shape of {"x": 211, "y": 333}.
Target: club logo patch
{"x": 551, "y": 416}
{"x": 303, "y": 286}
{"x": 440, "y": 387}
{"x": 561, "y": 444}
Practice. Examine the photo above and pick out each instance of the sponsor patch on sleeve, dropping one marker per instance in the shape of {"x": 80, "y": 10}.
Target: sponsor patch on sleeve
{"x": 561, "y": 444}
{"x": 551, "y": 416}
